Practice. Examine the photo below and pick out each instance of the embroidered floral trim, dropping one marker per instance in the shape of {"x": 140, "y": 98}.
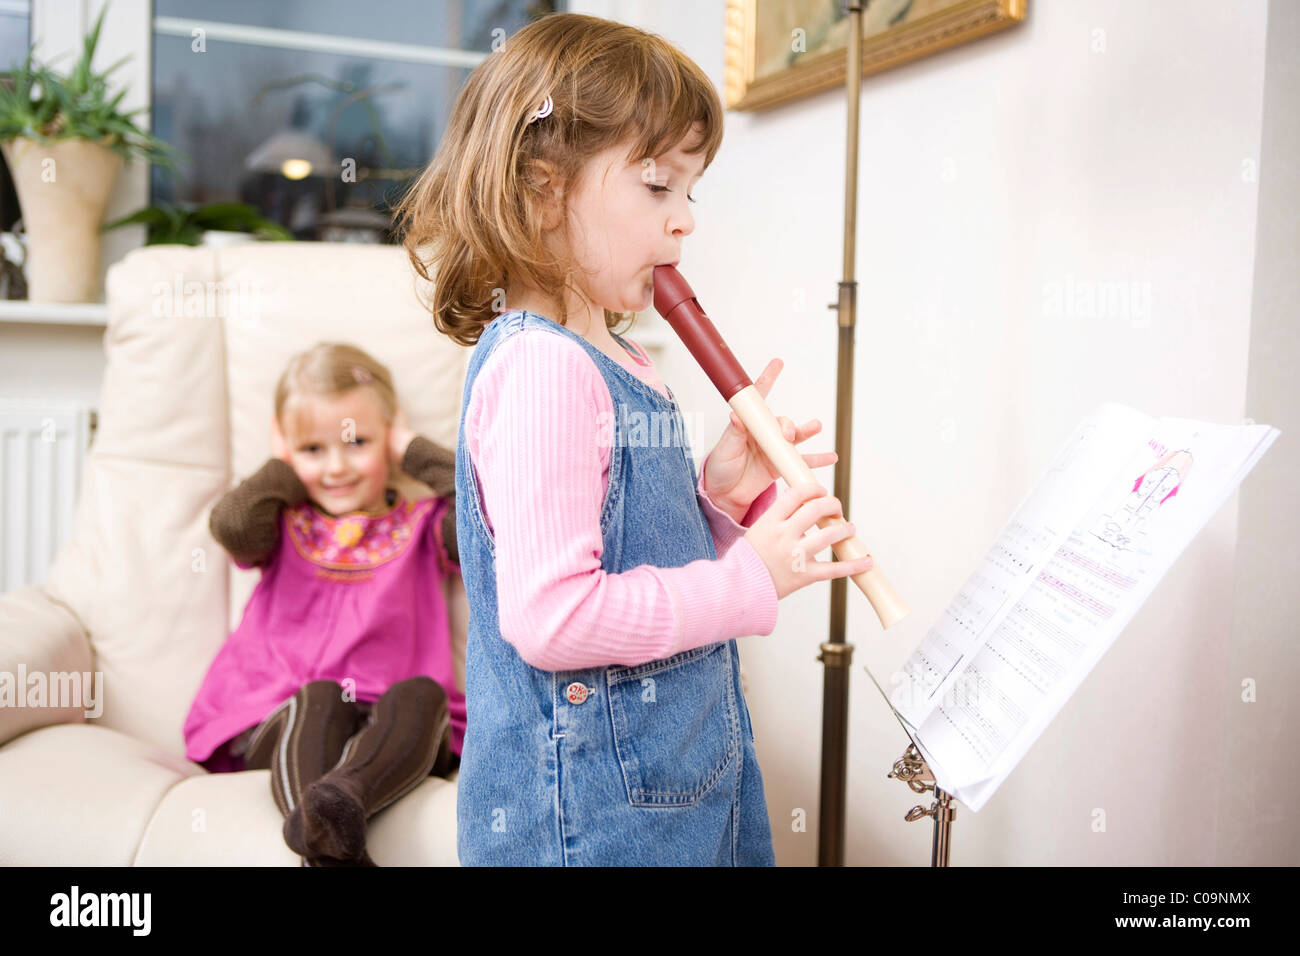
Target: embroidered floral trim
{"x": 353, "y": 541}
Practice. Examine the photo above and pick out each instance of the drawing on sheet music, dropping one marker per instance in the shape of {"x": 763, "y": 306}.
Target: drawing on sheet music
{"x": 1126, "y": 524}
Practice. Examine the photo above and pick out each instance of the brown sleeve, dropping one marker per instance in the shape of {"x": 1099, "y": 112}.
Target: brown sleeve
{"x": 432, "y": 464}
{"x": 449, "y": 536}
{"x": 435, "y": 465}
{"x": 246, "y": 521}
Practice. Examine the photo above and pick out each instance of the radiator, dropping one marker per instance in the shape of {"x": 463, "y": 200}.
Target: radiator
{"x": 43, "y": 448}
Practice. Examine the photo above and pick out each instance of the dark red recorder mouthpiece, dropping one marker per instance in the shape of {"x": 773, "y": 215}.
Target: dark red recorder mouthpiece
{"x": 676, "y": 302}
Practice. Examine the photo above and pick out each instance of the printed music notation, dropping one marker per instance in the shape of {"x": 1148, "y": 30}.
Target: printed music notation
{"x": 980, "y": 599}
{"x": 1096, "y": 588}
{"x": 1034, "y": 618}
{"x": 1053, "y": 628}
{"x": 1019, "y": 548}
{"x": 1045, "y": 634}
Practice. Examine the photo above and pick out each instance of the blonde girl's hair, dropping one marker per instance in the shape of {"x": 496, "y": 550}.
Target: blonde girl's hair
{"x": 475, "y": 214}
{"x": 330, "y": 369}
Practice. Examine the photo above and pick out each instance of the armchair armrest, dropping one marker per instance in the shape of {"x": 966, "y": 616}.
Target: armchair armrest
{"x": 39, "y": 636}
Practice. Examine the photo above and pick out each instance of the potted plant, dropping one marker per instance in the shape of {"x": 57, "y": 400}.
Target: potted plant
{"x": 65, "y": 142}
{"x": 191, "y": 225}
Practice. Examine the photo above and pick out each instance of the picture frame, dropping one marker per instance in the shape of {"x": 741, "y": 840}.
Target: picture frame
{"x": 778, "y": 51}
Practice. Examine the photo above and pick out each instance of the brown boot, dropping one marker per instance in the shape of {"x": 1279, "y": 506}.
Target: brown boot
{"x": 405, "y": 732}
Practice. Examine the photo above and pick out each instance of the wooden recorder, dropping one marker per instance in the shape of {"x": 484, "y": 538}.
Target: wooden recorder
{"x": 676, "y": 302}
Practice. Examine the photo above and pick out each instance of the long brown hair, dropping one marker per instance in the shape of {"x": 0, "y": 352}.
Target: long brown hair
{"x": 475, "y": 214}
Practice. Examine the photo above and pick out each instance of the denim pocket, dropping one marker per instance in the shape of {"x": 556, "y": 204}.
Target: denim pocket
{"x": 676, "y": 725}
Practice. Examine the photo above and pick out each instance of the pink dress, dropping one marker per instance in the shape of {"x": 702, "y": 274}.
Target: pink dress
{"x": 356, "y": 599}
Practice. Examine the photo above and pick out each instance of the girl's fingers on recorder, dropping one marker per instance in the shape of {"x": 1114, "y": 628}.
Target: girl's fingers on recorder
{"x": 825, "y": 537}
{"x": 788, "y": 501}
{"x": 826, "y": 570}
{"x": 809, "y": 513}
{"x": 813, "y": 544}
{"x": 821, "y": 459}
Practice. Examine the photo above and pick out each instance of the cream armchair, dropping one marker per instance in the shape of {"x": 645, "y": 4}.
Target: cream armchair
{"x": 143, "y": 597}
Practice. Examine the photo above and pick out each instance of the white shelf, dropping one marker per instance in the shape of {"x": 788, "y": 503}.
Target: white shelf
{"x": 650, "y": 330}
{"x": 55, "y": 313}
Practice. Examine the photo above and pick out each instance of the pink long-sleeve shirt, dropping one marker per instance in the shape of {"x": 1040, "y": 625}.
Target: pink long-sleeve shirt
{"x": 533, "y": 429}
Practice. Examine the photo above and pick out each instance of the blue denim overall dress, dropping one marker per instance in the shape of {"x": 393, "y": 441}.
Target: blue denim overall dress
{"x": 641, "y": 765}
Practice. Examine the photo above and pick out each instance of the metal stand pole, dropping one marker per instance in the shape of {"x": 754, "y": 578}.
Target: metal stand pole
{"x": 912, "y": 769}
{"x": 836, "y": 655}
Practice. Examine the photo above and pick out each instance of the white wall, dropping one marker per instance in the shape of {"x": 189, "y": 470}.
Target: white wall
{"x": 991, "y": 176}
{"x": 1258, "y": 778}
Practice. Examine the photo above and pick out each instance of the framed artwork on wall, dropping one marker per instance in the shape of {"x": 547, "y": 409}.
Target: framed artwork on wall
{"x": 781, "y": 50}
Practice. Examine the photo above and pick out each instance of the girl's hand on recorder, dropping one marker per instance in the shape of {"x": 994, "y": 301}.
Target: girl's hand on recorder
{"x": 778, "y": 537}
{"x": 738, "y": 470}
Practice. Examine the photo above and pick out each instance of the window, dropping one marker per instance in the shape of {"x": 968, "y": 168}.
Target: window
{"x": 320, "y": 113}
{"x": 15, "y": 33}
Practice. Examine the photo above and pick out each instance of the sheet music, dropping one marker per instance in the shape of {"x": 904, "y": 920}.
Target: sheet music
{"x": 1022, "y": 548}
{"x": 1032, "y": 621}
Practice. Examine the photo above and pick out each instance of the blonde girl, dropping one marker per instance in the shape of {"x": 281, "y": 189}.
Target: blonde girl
{"x": 339, "y": 678}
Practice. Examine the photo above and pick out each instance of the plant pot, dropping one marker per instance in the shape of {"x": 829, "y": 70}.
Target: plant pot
{"x": 63, "y": 190}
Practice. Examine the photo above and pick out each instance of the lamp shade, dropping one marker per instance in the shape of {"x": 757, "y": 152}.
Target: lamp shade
{"x": 291, "y": 153}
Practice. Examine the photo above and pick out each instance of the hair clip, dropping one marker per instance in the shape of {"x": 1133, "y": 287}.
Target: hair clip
{"x": 547, "y": 106}
{"x": 361, "y": 375}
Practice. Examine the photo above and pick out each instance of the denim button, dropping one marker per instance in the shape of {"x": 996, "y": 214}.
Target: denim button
{"x": 576, "y": 692}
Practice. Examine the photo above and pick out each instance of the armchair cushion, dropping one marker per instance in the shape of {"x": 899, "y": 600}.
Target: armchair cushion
{"x": 196, "y": 339}
{"x": 38, "y": 635}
